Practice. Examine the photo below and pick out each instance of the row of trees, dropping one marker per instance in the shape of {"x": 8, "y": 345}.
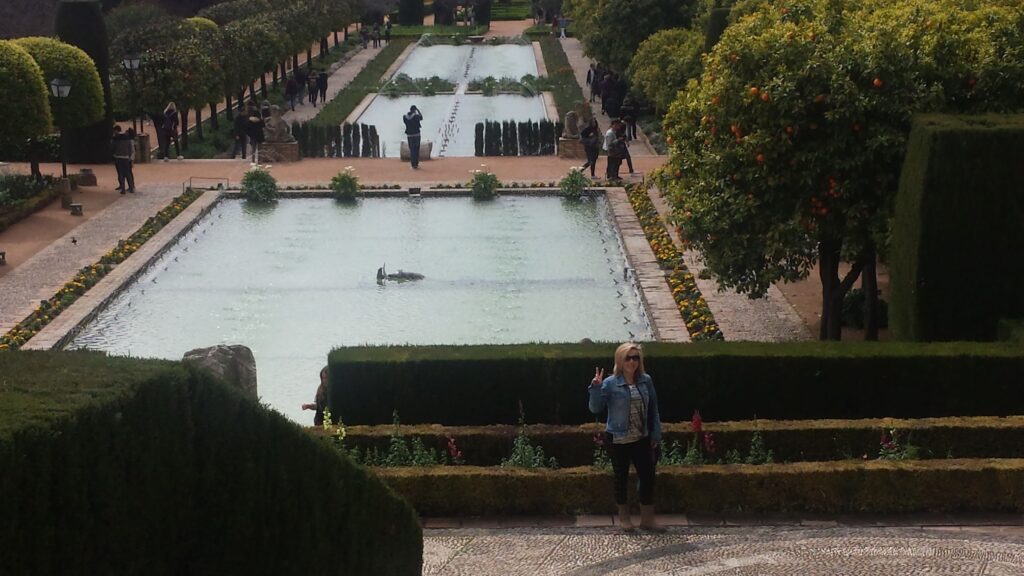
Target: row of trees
{"x": 786, "y": 151}
{"x": 221, "y": 52}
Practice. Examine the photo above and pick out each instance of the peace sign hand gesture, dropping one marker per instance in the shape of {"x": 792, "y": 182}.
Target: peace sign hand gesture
{"x": 598, "y": 377}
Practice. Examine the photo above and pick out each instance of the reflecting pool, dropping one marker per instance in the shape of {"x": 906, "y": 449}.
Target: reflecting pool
{"x": 294, "y": 280}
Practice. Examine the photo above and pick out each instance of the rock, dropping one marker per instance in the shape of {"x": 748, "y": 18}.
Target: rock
{"x": 233, "y": 364}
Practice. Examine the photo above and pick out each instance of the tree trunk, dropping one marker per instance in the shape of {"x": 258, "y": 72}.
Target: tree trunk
{"x": 309, "y": 58}
{"x": 263, "y": 85}
{"x": 252, "y": 91}
{"x": 335, "y": 38}
{"x": 199, "y": 122}
{"x": 227, "y": 107}
{"x": 869, "y": 284}
{"x": 828, "y": 272}
{"x": 295, "y": 61}
{"x": 184, "y": 128}
{"x": 241, "y": 100}
{"x": 273, "y": 75}
{"x": 214, "y": 122}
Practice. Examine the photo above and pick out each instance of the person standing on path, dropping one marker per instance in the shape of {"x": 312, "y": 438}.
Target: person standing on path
{"x": 311, "y": 89}
{"x": 254, "y": 130}
{"x": 376, "y": 35}
{"x": 321, "y": 86}
{"x": 412, "y": 121}
{"x": 169, "y": 126}
{"x": 319, "y": 402}
{"x": 614, "y": 145}
{"x": 123, "y": 147}
{"x": 301, "y": 77}
{"x": 291, "y": 91}
{"x": 239, "y": 126}
{"x": 387, "y": 32}
{"x": 633, "y": 429}
{"x": 590, "y": 137}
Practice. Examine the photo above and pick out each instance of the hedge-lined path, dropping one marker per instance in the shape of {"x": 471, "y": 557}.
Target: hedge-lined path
{"x": 580, "y": 64}
{"x": 336, "y": 82}
{"x": 769, "y": 319}
{"x": 589, "y": 546}
{"x": 41, "y": 275}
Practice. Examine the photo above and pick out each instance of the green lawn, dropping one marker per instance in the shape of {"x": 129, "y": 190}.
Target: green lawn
{"x": 367, "y": 81}
{"x": 562, "y": 81}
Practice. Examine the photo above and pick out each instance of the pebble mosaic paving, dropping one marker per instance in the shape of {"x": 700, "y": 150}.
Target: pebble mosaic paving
{"x": 767, "y": 551}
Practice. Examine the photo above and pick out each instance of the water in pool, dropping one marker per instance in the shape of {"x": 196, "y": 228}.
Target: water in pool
{"x": 294, "y": 280}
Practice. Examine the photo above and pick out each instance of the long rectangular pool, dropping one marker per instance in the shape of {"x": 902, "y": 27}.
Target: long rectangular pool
{"x": 294, "y": 280}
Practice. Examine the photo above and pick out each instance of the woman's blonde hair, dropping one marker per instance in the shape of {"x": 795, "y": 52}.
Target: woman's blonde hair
{"x": 620, "y": 358}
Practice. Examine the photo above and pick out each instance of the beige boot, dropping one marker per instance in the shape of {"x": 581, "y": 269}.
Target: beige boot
{"x": 647, "y": 521}
{"x": 625, "y": 521}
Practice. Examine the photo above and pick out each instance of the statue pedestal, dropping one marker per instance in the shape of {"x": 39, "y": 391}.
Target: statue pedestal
{"x": 279, "y": 152}
{"x": 86, "y": 177}
{"x": 571, "y": 148}
{"x": 426, "y": 147}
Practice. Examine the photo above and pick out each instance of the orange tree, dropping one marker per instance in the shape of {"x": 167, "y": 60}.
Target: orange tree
{"x": 664, "y": 62}
{"x": 787, "y": 151}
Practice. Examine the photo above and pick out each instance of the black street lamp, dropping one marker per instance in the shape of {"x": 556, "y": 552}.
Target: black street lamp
{"x": 131, "y": 63}
{"x": 61, "y": 87}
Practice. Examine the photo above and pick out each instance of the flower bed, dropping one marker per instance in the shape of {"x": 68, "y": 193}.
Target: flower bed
{"x": 700, "y": 322}
{"x": 88, "y": 276}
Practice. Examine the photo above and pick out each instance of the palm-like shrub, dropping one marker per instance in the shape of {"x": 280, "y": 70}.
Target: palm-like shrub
{"x": 259, "y": 186}
{"x": 484, "y": 184}
{"x": 574, "y": 184}
{"x": 345, "y": 185}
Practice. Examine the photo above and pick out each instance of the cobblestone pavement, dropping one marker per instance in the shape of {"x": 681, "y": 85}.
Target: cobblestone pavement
{"x": 762, "y": 551}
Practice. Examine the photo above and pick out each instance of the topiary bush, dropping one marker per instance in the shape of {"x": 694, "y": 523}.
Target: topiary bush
{"x": 484, "y": 184}
{"x": 81, "y": 24}
{"x": 23, "y": 92}
{"x": 84, "y": 104}
{"x": 574, "y": 184}
{"x": 259, "y": 186}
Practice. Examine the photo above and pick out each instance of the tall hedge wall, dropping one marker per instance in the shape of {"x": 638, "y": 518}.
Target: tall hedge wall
{"x": 467, "y": 385}
{"x": 122, "y": 466}
{"x": 80, "y": 23}
{"x": 958, "y": 235}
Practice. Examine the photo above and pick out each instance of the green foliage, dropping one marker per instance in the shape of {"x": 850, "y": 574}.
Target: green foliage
{"x": 794, "y": 136}
{"x": 664, "y": 63}
{"x": 410, "y": 12}
{"x": 958, "y": 244}
{"x": 727, "y": 380}
{"x": 607, "y": 38}
{"x": 21, "y": 196}
{"x": 345, "y": 185}
{"x": 81, "y": 24}
{"x": 227, "y": 12}
{"x": 24, "y": 93}
{"x": 259, "y": 186}
{"x": 758, "y": 453}
{"x": 84, "y": 103}
{"x": 113, "y": 442}
{"x": 524, "y": 454}
{"x": 367, "y": 81}
{"x": 484, "y": 184}
{"x": 130, "y": 16}
{"x": 891, "y": 448}
{"x": 563, "y": 85}
{"x": 402, "y": 84}
{"x": 574, "y": 184}
{"x": 853, "y": 310}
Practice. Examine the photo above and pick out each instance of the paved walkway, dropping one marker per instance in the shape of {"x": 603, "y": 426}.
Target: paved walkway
{"x": 818, "y": 548}
{"x": 341, "y": 76}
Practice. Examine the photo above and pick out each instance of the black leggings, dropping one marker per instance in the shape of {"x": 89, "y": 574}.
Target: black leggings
{"x": 642, "y": 456}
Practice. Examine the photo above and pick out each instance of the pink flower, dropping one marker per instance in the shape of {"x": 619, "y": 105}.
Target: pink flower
{"x": 709, "y": 443}
{"x": 453, "y": 450}
{"x": 599, "y": 439}
{"x": 696, "y": 422}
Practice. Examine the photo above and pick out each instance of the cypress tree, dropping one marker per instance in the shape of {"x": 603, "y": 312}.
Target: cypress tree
{"x": 374, "y": 142}
{"x": 506, "y": 148}
{"x": 366, "y": 140}
{"x": 478, "y": 139}
{"x": 80, "y": 23}
{"x": 346, "y": 140}
{"x": 524, "y": 145}
{"x": 513, "y": 139}
{"x": 355, "y": 140}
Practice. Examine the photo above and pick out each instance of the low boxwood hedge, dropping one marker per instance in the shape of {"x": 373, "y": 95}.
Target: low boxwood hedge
{"x": 790, "y": 441}
{"x": 470, "y": 385}
{"x": 831, "y": 487}
{"x": 123, "y": 466}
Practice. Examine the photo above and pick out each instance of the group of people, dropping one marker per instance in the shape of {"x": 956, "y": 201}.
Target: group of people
{"x": 632, "y": 427}
{"x": 366, "y": 36}
{"x": 615, "y": 144}
{"x": 303, "y": 84}
{"x": 247, "y": 129}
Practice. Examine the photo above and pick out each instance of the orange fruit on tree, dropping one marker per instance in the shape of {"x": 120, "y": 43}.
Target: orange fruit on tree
{"x": 764, "y": 96}
{"x": 760, "y": 158}
{"x": 877, "y": 83}
{"x": 754, "y": 90}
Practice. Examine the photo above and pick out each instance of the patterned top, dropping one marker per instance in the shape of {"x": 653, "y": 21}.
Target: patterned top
{"x": 637, "y": 418}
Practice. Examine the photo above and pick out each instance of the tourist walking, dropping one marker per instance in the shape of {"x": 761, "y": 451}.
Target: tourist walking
{"x": 169, "y": 127}
{"x": 621, "y": 134}
{"x": 376, "y": 35}
{"x": 364, "y": 35}
{"x": 123, "y": 148}
{"x": 254, "y": 131}
{"x": 301, "y": 77}
{"x": 590, "y": 137}
{"x": 632, "y": 431}
{"x": 319, "y": 402}
{"x": 412, "y": 120}
{"x": 238, "y": 130}
{"x": 311, "y": 89}
{"x": 291, "y": 91}
{"x": 321, "y": 85}
{"x": 387, "y": 32}
{"x": 614, "y": 145}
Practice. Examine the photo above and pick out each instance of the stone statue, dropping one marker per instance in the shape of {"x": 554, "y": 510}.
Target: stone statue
{"x": 572, "y": 125}
{"x": 583, "y": 111}
{"x": 277, "y": 129}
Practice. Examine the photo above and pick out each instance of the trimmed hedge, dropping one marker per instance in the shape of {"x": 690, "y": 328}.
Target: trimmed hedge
{"x": 468, "y": 385}
{"x": 510, "y": 138}
{"x": 832, "y": 488}
{"x": 957, "y": 260}
{"x": 790, "y": 441}
{"x": 124, "y": 466}
{"x": 81, "y": 24}
{"x": 84, "y": 103}
{"x": 26, "y": 112}
{"x": 1011, "y": 330}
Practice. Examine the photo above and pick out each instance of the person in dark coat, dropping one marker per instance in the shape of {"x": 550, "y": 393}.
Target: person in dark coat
{"x": 169, "y": 127}
{"x": 590, "y": 137}
{"x": 291, "y": 91}
{"x": 123, "y": 147}
{"x": 239, "y": 131}
{"x": 412, "y": 121}
{"x": 321, "y": 85}
{"x": 254, "y": 130}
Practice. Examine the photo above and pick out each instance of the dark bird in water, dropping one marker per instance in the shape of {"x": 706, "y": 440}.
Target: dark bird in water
{"x": 400, "y": 276}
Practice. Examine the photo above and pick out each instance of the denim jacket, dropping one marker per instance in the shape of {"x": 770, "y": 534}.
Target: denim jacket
{"x": 613, "y": 395}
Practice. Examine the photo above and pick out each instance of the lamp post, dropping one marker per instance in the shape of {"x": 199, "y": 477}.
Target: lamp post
{"x": 61, "y": 87}
{"x": 131, "y": 63}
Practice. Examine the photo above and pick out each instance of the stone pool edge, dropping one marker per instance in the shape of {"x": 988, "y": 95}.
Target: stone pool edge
{"x": 62, "y": 329}
{"x": 655, "y": 294}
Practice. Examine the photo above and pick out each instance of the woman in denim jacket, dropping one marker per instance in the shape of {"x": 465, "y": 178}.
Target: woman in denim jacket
{"x": 633, "y": 429}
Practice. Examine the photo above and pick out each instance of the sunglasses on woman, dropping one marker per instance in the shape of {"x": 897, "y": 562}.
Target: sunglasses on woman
{"x": 634, "y": 358}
